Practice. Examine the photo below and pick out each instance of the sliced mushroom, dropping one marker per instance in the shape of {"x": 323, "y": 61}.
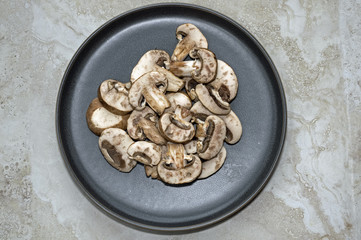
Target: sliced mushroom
{"x": 203, "y": 69}
{"x": 99, "y": 118}
{"x": 143, "y": 124}
{"x": 149, "y": 88}
{"x": 210, "y": 98}
{"x": 151, "y": 171}
{"x": 210, "y": 136}
{"x": 145, "y": 152}
{"x": 178, "y": 99}
{"x": 175, "y": 128}
{"x": 114, "y": 96}
{"x": 153, "y": 60}
{"x": 226, "y": 82}
{"x": 176, "y": 167}
{"x": 233, "y": 124}
{"x": 213, "y": 165}
{"x": 191, "y": 147}
{"x": 114, "y": 143}
{"x": 190, "y": 86}
{"x": 189, "y": 37}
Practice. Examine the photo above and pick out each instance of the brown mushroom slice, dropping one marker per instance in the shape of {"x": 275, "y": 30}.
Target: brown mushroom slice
{"x": 144, "y": 152}
{"x": 191, "y": 147}
{"x": 99, "y": 118}
{"x": 211, "y": 135}
{"x": 149, "y": 87}
{"x": 151, "y": 131}
{"x": 189, "y": 37}
{"x": 176, "y": 167}
{"x": 178, "y": 99}
{"x": 190, "y": 86}
{"x": 203, "y": 69}
{"x": 233, "y": 124}
{"x": 114, "y": 143}
{"x": 175, "y": 129}
{"x": 210, "y": 98}
{"x": 211, "y": 166}
{"x": 151, "y": 171}
{"x": 226, "y": 82}
{"x": 153, "y": 60}
{"x": 114, "y": 96}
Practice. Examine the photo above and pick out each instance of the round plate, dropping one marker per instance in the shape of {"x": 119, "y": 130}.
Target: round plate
{"x": 111, "y": 52}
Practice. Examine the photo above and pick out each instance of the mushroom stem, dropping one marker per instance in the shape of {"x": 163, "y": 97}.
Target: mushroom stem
{"x": 174, "y": 83}
{"x": 184, "y": 68}
{"x": 156, "y": 99}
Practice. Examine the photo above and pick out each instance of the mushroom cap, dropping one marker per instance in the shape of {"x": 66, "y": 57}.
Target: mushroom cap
{"x": 99, "y": 118}
{"x": 151, "y": 171}
{"x": 213, "y": 165}
{"x": 211, "y": 100}
{"x": 134, "y": 130}
{"x": 149, "y": 87}
{"x": 144, "y": 152}
{"x": 214, "y": 133}
{"x": 175, "y": 129}
{"x": 176, "y": 167}
{"x": 233, "y": 124}
{"x": 114, "y": 143}
{"x": 114, "y": 96}
{"x": 189, "y": 36}
{"x": 226, "y": 82}
{"x": 178, "y": 99}
{"x": 153, "y": 60}
{"x": 208, "y": 69}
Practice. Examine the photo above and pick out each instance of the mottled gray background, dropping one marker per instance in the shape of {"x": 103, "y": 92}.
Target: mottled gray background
{"x": 315, "y": 190}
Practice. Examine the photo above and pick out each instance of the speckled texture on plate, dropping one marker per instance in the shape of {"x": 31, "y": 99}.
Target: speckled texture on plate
{"x": 315, "y": 190}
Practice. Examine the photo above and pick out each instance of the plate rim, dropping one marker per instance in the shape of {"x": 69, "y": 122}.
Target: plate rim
{"x": 188, "y": 228}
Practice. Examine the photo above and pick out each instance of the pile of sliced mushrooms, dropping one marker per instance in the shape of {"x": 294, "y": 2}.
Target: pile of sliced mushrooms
{"x": 173, "y": 116}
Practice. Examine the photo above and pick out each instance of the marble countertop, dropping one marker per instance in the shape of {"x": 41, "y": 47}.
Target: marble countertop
{"x": 314, "y": 192}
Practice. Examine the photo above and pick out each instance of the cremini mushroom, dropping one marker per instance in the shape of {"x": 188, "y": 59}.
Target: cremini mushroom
{"x": 211, "y": 166}
{"x": 191, "y": 147}
{"x": 153, "y": 60}
{"x": 176, "y": 167}
{"x": 233, "y": 124}
{"x": 190, "y": 86}
{"x": 114, "y": 96}
{"x": 176, "y": 126}
{"x": 203, "y": 68}
{"x": 189, "y": 37}
{"x": 178, "y": 99}
{"x": 149, "y": 88}
{"x": 114, "y": 143}
{"x": 144, "y": 152}
{"x": 211, "y": 135}
{"x": 210, "y": 98}
{"x": 226, "y": 82}
{"x": 151, "y": 171}
{"x": 143, "y": 124}
{"x": 99, "y": 118}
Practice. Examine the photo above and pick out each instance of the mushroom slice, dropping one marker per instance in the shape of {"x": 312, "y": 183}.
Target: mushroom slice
{"x": 226, "y": 82}
{"x": 149, "y": 87}
{"x": 114, "y": 143}
{"x": 153, "y": 60}
{"x": 175, "y": 129}
{"x": 190, "y": 86}
{"x": 233, "y": 124}
{"x": 145, "y": 152}
{"x": 189, "y": 37}
{"x": 210, "y": 98}
{"x": 203, "y": 69}
{"x": 151, "y": 171}
{"x": 213, "y": 165}
{"x": 210, "y": 136}
{"x": 176, "y": 167}
{"x": 114, "y": 96}
{"x": 178, "y": 99}
{"x": 143, "y": 124}
{"x": 99, "y": 118}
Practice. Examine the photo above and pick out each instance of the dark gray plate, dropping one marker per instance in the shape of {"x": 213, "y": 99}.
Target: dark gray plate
{"x": 111, "y": 52}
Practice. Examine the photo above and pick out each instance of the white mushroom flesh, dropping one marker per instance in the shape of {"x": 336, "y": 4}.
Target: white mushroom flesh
{"x": 144, "y": 152}
{"x": 226, "y": 82}
{"x": 211, "y": 166}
